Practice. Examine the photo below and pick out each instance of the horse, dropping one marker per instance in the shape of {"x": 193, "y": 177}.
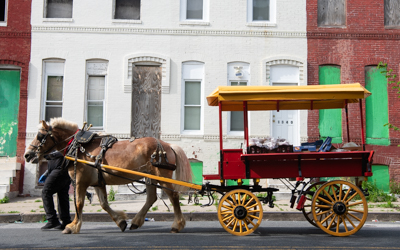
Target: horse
{"x": 127, "y": 154}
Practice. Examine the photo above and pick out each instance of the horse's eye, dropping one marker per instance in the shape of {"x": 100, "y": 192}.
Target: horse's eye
{"x": 40, "y": 136}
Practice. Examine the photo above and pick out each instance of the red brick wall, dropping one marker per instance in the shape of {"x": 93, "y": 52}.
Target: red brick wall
{"x": 15, "y": 49}
{"x": 364, "y": 41}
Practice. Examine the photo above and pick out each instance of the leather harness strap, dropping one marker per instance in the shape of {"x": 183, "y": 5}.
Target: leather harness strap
{"x": 161, "y": 155}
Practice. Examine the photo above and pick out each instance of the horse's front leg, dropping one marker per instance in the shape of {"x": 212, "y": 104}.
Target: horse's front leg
{"x": 75, "y": 226}
{"x": 119, "y": 217}
{"x": 138, "y": 220}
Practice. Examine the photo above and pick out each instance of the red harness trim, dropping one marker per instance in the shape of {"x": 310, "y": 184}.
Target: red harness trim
{"x": 70, "y": 141}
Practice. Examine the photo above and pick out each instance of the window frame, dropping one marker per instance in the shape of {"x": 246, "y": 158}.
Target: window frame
{"x": 100, "y": 71}
{"x": 200, "y": 78}
{"x": 272, "y": 15}
{"x": 116, "y": 20}
{"x": 56, "y": 71}
{"x": 4, "y": 23}
{"x": 183, "y": 14}
{"x": 57, "y": 19}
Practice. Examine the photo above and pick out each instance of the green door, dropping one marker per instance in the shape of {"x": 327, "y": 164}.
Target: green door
{"x": 376, "y": 107}
{"x": 9, "y": 106}
{"x": 330, "y": 120}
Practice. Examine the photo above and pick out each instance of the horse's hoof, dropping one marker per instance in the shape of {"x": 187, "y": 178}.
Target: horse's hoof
{"x": 174, "y": 230}
{"x": 67, "y": 230}
{"x": 122, "y": 225}
{"x": 133, "y": 227}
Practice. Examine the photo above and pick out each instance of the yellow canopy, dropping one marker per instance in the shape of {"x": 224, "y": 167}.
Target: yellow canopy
{"x": 287, "y": 97}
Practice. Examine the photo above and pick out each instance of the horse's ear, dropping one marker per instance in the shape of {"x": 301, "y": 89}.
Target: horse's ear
{"x": 44, "y": 125}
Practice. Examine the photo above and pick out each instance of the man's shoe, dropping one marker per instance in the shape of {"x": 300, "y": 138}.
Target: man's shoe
{"x": 51, "y": 225}
{"x": 61, "y": 226}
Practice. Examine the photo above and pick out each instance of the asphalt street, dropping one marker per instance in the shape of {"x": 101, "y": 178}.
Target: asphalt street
{"x": 198, "y": 235}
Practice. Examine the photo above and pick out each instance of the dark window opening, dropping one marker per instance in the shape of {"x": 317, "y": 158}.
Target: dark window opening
{"x": 59, "y": 9}
{"x": 2, "y": 10}
{"x": 127, "y": 9}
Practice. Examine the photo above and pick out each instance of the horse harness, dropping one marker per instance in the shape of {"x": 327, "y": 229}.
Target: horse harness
{"x": 161, "y": 155}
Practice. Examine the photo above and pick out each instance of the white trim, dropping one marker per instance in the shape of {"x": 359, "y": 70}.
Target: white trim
{"x": 59, "y": 20}
{"x": 169, "y": 32}
{"x": 131, "y": 59}
{"x": 272, "y": 15}
{"x": 4, "y": 23}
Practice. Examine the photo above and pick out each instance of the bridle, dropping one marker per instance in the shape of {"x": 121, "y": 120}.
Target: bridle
{"x": 42, "y": 138}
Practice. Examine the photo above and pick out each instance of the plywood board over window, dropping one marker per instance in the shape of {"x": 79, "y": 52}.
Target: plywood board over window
{"x": 146, "y": 101}
{"x": 331, "y": 13}
{"x": 392, "y": 14}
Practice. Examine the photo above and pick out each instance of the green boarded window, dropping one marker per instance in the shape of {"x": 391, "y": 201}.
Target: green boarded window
{"x": 330, "y": 120}
{"x": 380, "y": 177}
{"x": 376, "y": 107}
{"x": 9, "y": 106}
{"x": 197, "y": 170}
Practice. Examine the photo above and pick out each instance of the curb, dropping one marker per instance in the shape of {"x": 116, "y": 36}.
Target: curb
{"x": 198, "y": 216}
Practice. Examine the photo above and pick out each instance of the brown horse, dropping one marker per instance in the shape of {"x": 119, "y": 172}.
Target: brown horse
{"x": 132, "y": 155}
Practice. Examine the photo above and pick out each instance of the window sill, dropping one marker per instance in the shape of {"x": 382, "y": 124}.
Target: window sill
{"x": 261, "y": 24}
{"x": 3, "y": 24}
{"x": 64, "y": 20}
{"x": 192, "y": 132}
{"x": 332, "y": 26}
{"x": 127, "y": 21}
{"x": 392, "y": 27}
{"x": 195, "y": 23}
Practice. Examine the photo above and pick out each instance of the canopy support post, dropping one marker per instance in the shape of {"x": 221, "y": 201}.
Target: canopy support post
{"x": 221, "y": 141}
{"x": 246, "y": 126}
{"x": 347, "y": 121}
{"x": 362, "y": 126}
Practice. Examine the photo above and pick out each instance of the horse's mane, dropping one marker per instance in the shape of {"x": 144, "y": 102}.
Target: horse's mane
{"x": 63, "y": 124}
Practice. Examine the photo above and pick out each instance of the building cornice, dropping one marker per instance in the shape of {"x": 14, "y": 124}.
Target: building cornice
{"x": 160, "y": 31}
{"x": 11, "y": 34}
{"x": 353, "y": 35}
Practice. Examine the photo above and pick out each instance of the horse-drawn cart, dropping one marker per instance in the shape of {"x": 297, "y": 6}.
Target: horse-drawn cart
{"x": 337, "y": 207}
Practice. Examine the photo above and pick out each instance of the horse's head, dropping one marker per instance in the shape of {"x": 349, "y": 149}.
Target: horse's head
{"x": 48, "y": 138}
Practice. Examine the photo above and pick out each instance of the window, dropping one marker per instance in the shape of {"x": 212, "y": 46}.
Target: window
{"x": 194, "y": 10}
{"x": 53, "y": 89}
{"x": 392, "y": 13}
{"x": 3, "y": 12}
{"x": 238, "y": 75}
{"x": 96, "y": 93}
{"x": 127, "y": 9}
{"x": 58, "y": 9}
{"x": 261, "y": 11}
{"x": 331, "y": 13}
{"x": 376, "y": 107}
{"x": 330, "y": 120}
{"x": 192, "y": 78}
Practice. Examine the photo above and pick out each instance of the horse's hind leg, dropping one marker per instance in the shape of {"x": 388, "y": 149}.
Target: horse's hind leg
{"x": 179, "y": 220}
{"x": 119, "y": 217}
{"x": 140, "y": 217}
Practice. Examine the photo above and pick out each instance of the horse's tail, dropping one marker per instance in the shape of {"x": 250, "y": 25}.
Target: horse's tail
{"x": 183, "y": 170}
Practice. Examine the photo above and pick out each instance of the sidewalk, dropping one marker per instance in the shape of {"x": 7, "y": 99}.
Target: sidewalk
{"x": 30, "y": 209}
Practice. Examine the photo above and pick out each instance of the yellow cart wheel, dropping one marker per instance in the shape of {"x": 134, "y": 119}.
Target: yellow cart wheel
{"x": 339, "y": 208}
{"x": 240, "y": 212}
{"x": 309, "y": 193}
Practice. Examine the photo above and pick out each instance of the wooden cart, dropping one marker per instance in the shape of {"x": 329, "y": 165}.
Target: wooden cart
{"x": 337, "y": 207}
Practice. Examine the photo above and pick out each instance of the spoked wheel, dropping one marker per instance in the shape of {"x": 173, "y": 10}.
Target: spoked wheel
{"x": 240, "y": 212}
{"x": 309, "y": 193}
{"x": 343, "y": 207}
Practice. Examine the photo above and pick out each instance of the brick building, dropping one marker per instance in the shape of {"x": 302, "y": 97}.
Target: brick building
{"x": 192, "y": 46}
{"x": 346, "y": 41}
{"x": 15, "y": 44}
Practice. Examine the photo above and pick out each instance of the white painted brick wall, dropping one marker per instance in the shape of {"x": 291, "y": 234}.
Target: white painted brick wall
{"x": 93, "y": 35}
